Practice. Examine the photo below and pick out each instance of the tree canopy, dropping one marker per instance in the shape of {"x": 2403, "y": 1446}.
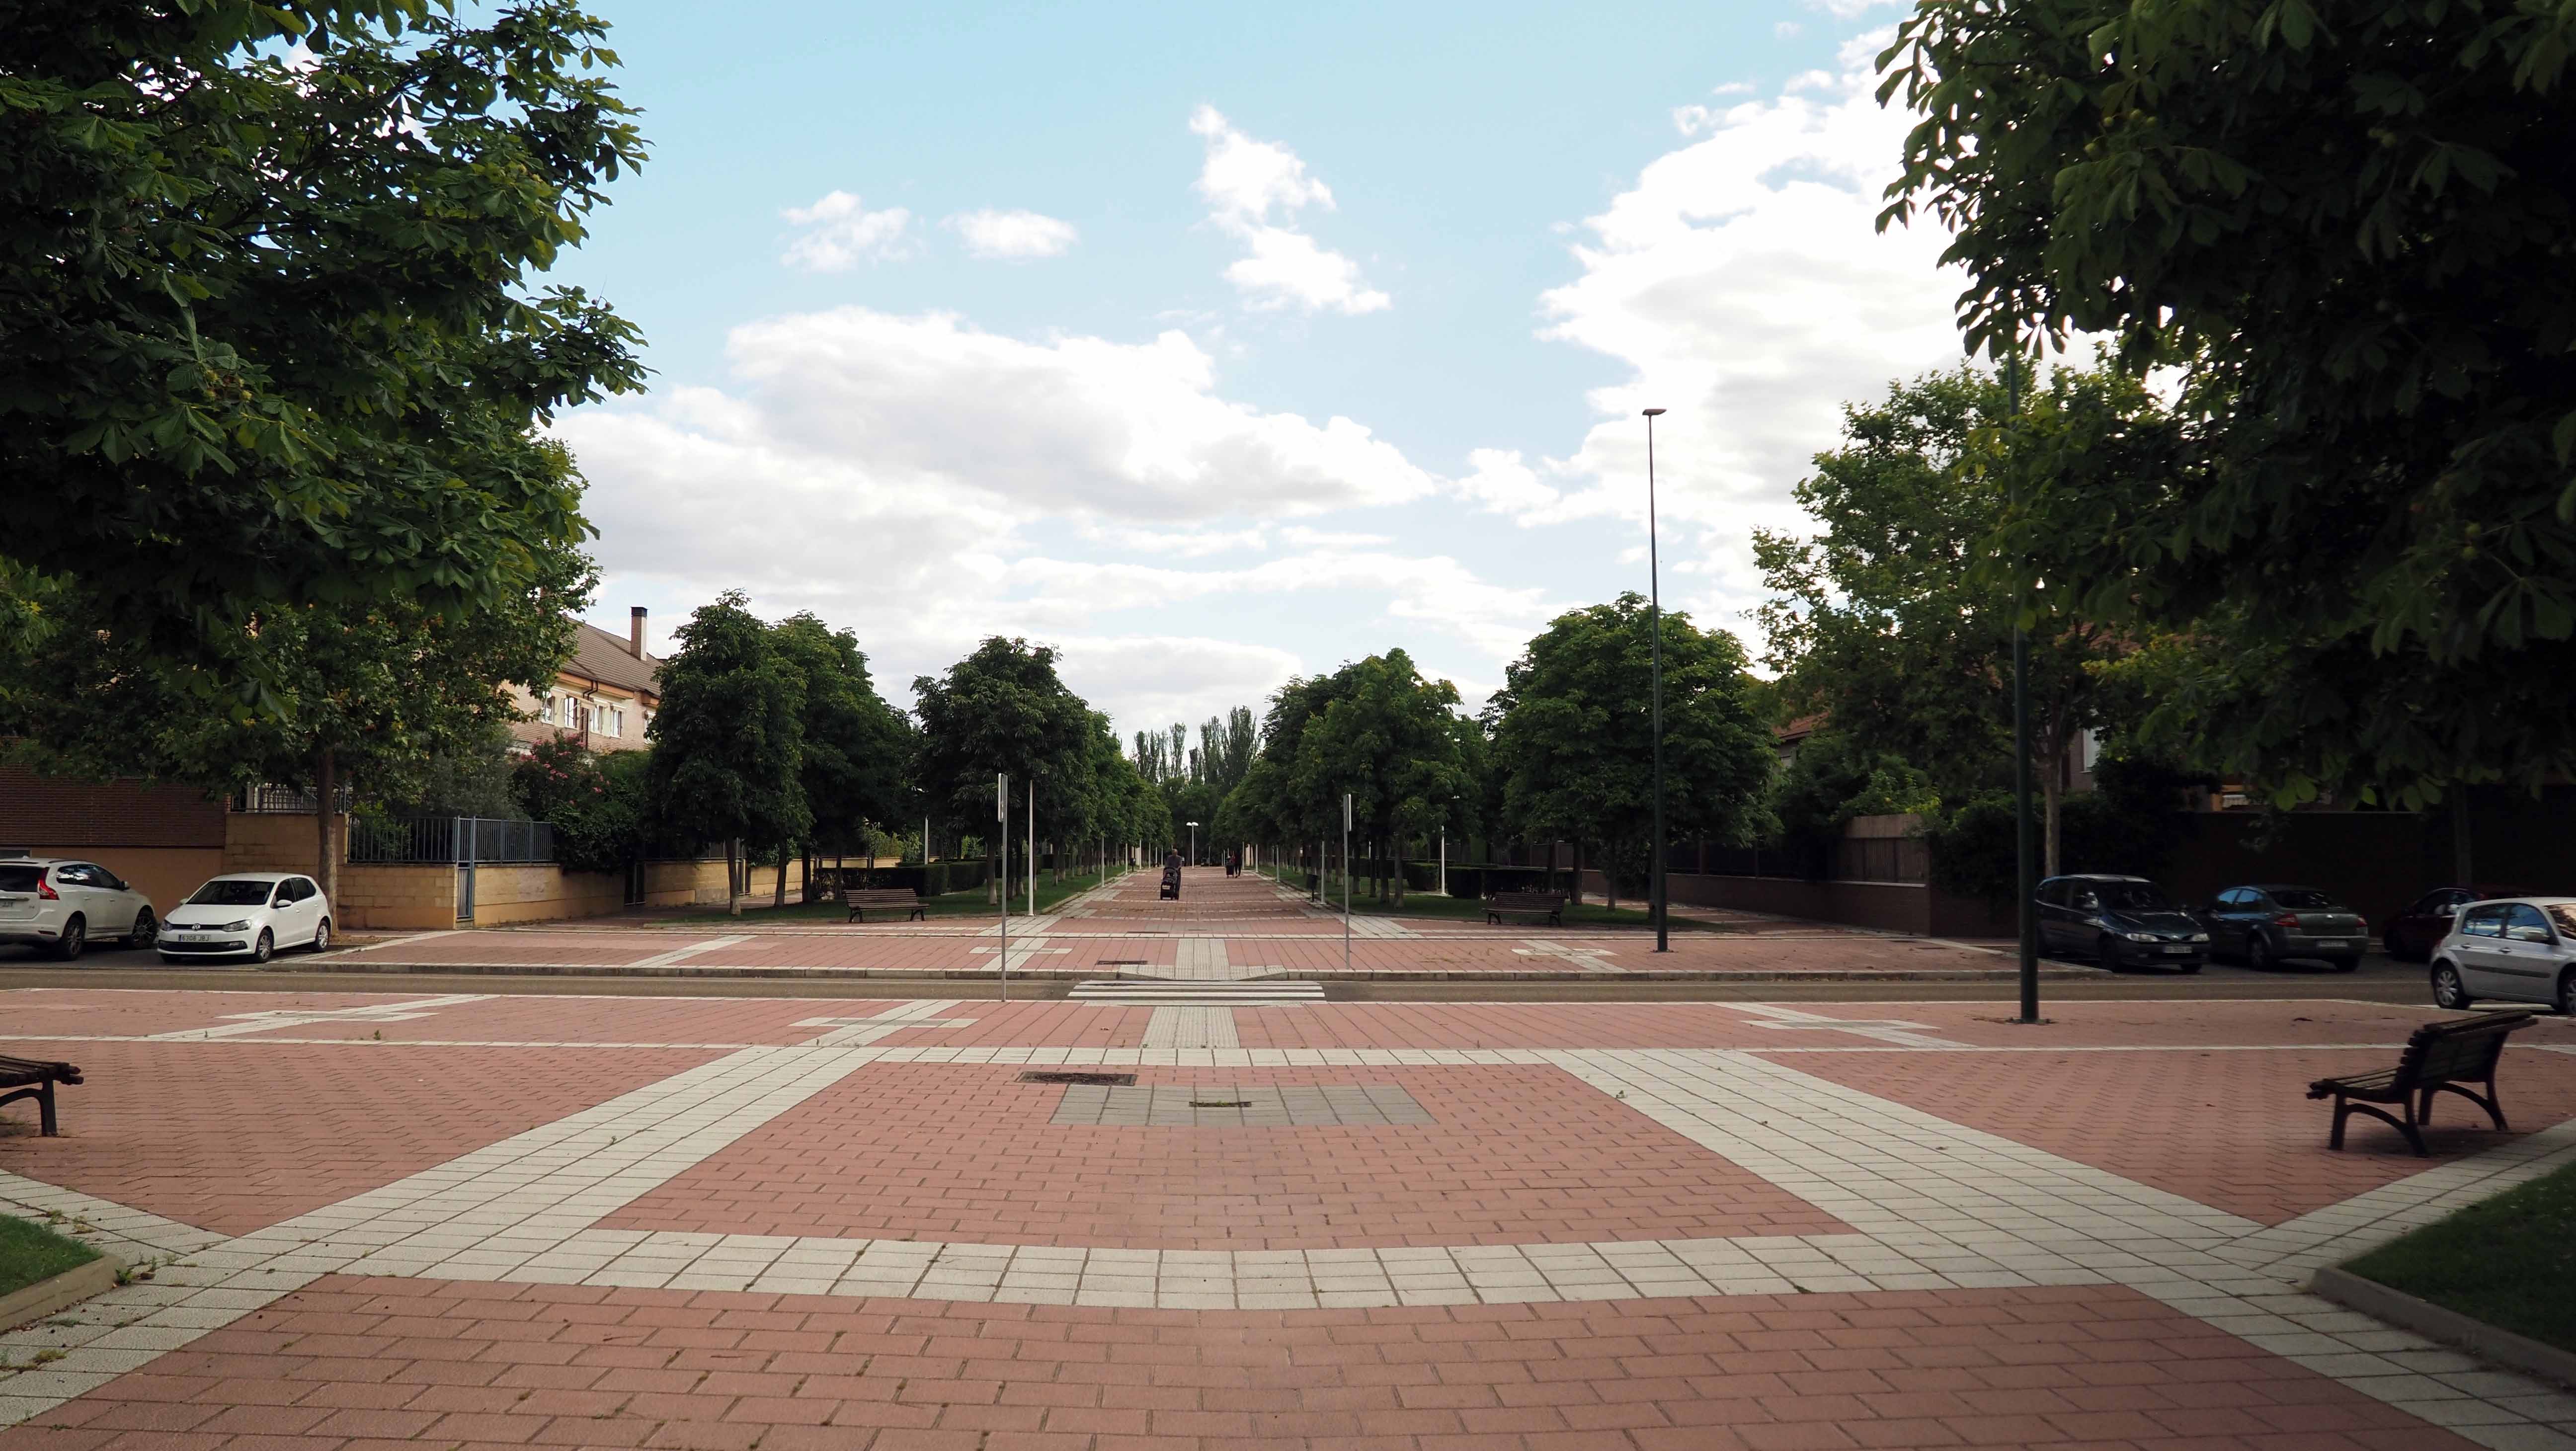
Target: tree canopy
{"x": 2351, "y": 230}
{"x": 729, "y": 739}
{"x": 265, "y": 343}
{"x": 853, "y": 747}
{"x": 1573, "y": 731}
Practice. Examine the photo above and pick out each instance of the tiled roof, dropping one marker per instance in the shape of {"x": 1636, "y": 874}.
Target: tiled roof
{"x": 600, "y": 656}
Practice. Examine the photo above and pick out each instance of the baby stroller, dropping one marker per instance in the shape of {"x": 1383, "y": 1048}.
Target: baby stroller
{"x": 1171, "y": 884}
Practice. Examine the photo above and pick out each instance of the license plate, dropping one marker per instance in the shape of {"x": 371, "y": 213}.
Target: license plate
{"x": 2331, "y": 945}
{"x": 188, "y": 936}
{"x": 2177, "y": 951}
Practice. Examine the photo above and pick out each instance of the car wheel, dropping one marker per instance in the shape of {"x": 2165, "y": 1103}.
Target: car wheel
{"x": 2347, "y": 964}
{"x": 322, "y": 935}
{"x": 2258, "y": 953}
{"x": 2567, "y": 992}
{"x": 2448, "y": 991}
{"x": 2106, "y": 952}
{"x": 75, "y": 937}
{"x": 265, "y": 947}
{"x": 147, "y": 929}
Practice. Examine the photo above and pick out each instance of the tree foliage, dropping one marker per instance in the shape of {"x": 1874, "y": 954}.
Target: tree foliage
{"x": 2350, "y": 228}
{"x": 729, "y": 739}
{"x": 1573, "y": 733}
{"x": 264, "y": 344}
{"x": 1375, "y": 729}
{"x": 853, "y": 748}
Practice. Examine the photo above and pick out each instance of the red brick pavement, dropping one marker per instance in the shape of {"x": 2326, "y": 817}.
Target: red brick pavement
{"x": 356, "y": 1362}
{"x": 234, "y": 1136}
{"x": 936, "y": 1151}
{"x": 110, "y": 1012}
{"x": 2229, "y": 1129}
{"x": 2251, "y": 1022}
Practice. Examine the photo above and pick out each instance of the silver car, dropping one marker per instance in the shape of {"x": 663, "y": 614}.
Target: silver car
{"x": 63, "y": 906}
{"x": 2521, "y": 948}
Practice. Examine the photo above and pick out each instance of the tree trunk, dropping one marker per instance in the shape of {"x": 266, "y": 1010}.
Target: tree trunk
{"x": 1610, "y": 876}
{"x": 805, "y": 880}
{"x": 1576, "y": 896}
{"x": 733, "y": 875}
{"x": 992, "y": 877}
{"x": 778, "y": 897}
{"x": 2052, "y": 796}
{"x": 326, "y": 843}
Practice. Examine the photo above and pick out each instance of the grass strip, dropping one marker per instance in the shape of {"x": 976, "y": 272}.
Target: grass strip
{"x": 30, "y": 1252}
{"x": 2509, "y": 1261}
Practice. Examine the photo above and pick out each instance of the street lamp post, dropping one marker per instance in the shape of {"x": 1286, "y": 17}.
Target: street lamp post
{"x": 1655, "y": 614}
{"x": 1194, "y": 842}
{"x": 2025, "y": 848}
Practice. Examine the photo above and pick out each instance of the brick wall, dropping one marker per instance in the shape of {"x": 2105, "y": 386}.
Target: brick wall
{"x": 83, "y": 816}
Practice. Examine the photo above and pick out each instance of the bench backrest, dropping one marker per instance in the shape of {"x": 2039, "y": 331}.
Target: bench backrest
{"x": 881, "y": 897}
{"x": 16, "y": 1072}
{"x": 2463, "y": 1048}
{"x": 1529, "y": 899}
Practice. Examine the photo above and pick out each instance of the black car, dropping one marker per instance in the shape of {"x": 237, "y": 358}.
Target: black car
{"x": 2270, "y": 923}
{"x": 2119, "y": 922}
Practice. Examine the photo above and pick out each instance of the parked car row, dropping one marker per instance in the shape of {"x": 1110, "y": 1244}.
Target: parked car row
{"x": 63, "y": 906}
{"x": 2481, "y": 943}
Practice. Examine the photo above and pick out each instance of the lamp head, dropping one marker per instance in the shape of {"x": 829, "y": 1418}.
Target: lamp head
{"x": 1654, "y": 413}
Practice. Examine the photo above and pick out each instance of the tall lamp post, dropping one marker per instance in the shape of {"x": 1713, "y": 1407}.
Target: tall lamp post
{"x": 1194, "y": 843}
{"x": 1655, "y": 615}
{"x": 2025, "y": 845}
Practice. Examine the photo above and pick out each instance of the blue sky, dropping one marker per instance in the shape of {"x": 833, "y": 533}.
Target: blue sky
{"x": 1213, "y": 344}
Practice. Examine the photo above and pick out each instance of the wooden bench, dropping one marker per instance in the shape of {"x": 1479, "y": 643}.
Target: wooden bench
{"x": 2440, "y": 1057}
{"x": 1550, "y": 905}
{"x": 35, "y": 1080}
{"x": 860, "y": 902}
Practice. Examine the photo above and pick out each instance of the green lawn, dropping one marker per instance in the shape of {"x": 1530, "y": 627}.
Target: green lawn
{"x": 2509, "y": 1261}
{"x": 30, "y": 1252}
{"x": 968, "y": 903}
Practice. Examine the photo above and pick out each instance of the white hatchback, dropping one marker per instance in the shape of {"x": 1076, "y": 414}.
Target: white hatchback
{"x": 63, "y": 906}
{"x": 2519, "y": 948}
{"x": 250, "y": 914}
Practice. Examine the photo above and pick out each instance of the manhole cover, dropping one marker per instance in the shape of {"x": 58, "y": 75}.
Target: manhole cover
{"x": 1122, "y": 962}
{"x": 1087, "y": 1080}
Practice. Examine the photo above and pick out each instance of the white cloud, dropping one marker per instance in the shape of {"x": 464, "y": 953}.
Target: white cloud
{"x": 840, "y": 233}
{"x": 929, "y": 483}
{"x": 1245, "y": 182}
{"x": 1743, "y": 285}
{"x": 1785, "y": 29}
{"x": 1014, "y": 236}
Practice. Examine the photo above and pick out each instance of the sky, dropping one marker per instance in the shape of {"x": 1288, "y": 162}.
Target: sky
{"x": 1214, "y": 344}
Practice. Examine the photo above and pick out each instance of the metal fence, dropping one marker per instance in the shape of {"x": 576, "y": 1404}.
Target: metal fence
{"x": 450, "y": 839}
{"x": 283, "y": 800}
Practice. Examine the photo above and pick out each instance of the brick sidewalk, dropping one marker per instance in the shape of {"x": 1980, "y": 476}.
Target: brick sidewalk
{"x": 477, "y": 1220}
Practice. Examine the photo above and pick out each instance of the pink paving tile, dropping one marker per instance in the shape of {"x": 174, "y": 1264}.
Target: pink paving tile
{"x": 1516, "y": 1154}
{"x": 1501, "y": 1025}
{"x": 232, "y": 1136}
{"x": 590, "y": 948}
{"x": 2232, "y": 1130}
{"x": 84, "y": 1012}
{"x": 2220, "y": 1022}
{"x": 349, "y": 1360}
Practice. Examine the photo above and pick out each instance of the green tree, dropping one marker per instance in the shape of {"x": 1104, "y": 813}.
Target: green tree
{"x": 366, "y": 696}
{"x": 265, "y": 343}
{"x": 854, "y": 747}
{"x": 728, "y": 741}
{"x": 2347, "y": 228}
{"x": 1892, "y": 622}
{"x": 1381, "y": 733}
{"x": 1573, "y": 734}
{"x": 1003, "y": 709}
{"x": 599, "y": 803}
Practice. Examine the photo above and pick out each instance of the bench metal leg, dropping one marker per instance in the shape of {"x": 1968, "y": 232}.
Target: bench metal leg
{"x": 2345, "y": 1108}
{"x": 45, "y": 1110}
{"x": 2495, "y": 1110}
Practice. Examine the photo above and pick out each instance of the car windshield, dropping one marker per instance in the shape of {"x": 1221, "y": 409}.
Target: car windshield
{"x": 2132, "y": 897}
{"x": 20, "y": 879}
{"x": 230, "y": 894}
{"x": 2300, "y": 899}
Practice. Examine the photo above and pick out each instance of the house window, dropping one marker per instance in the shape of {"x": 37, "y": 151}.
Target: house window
{"x": 608, "y": 721}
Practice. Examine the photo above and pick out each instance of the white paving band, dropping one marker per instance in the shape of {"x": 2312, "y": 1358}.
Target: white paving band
{"x": 1931, "y": 1205}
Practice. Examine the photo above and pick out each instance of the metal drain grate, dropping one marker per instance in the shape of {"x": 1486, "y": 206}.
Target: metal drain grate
{"x": 1122, "y": 962}
{"x": 1085, "y": 1080}
{"x": 1220, "y": 1103}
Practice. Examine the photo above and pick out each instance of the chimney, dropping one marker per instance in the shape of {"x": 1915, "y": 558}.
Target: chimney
{"x": 635, "y": 632}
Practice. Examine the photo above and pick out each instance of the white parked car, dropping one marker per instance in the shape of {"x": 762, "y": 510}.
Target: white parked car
{"x": 248, "y": 914}
{"x": 63, "y": 906}
{"x": 2520, "y": 948}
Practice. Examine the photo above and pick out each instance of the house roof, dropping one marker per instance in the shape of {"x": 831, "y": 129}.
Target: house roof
{"x": 1799, "y": 729}
{"x": 600, "y": 656}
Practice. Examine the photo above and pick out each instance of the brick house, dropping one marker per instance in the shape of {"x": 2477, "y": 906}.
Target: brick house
{"x": 604, "y": 696}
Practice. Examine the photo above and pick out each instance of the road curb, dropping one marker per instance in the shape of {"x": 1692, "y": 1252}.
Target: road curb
{"x": 34, "y": 1302}
{"x": 381, "y": 968}
{"x": 2434, "y": 1322}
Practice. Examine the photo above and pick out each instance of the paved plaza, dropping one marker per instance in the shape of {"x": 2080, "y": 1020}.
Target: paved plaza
{"x": 1222, "y": 930}
{"x": 467, "y": 1220}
